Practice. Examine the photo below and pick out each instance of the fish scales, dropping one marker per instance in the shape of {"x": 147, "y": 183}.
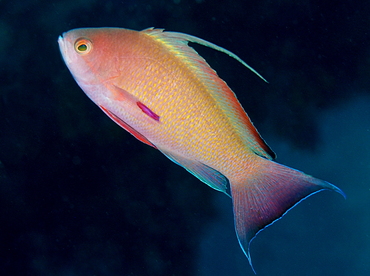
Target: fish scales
{"x": 172, "y": 78}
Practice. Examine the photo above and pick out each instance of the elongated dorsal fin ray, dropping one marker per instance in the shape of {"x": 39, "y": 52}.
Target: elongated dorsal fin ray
{"x": 206, "y": 43}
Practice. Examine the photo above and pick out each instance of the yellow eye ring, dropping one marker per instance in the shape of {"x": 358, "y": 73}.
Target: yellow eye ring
{"x": 83, "y": 46}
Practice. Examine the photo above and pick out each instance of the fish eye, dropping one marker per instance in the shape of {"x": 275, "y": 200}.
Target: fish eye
{"x": 83, "y": 46}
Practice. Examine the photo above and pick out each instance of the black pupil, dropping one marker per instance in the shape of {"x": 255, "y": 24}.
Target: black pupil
{"x": 82, "y": 47}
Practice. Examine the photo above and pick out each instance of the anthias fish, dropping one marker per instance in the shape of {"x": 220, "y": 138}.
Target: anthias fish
{"x": 164, "y": 93}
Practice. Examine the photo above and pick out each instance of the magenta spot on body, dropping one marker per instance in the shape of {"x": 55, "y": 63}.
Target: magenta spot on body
{"x": 147, "y": 111}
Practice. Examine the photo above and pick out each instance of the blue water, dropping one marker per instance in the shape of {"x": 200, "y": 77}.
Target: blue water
{"x": 80, "y": 196}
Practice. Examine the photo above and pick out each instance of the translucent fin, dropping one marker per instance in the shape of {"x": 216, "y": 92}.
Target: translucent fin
{"x": 211, "y": 177}
{"x": 267, "y": 194}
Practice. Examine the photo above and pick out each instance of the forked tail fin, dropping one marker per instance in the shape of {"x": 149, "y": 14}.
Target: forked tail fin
{"x": 270, "y": 191}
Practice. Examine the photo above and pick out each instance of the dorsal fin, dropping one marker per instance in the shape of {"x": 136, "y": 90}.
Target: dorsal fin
{"x": 177, "y": 44}
{"x": 194, "y": 39}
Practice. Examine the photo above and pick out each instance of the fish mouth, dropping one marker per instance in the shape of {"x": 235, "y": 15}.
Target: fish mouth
{"x": 61, "y": 40}
{"x": 63, "y": 47}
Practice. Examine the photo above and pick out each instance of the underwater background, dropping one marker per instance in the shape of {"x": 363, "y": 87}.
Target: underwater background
{"x": 81, "y": 196}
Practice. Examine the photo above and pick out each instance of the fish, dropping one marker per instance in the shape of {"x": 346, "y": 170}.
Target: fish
{"x": 159, "y": 89}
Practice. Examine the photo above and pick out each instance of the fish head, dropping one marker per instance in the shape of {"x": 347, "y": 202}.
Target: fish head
{"x": 93, "y": 56}
{"x": 104, "y": 62}
{"x": 80, "y": 55}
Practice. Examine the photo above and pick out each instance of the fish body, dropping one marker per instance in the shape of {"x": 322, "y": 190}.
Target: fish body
{"x": 163, "y": 92}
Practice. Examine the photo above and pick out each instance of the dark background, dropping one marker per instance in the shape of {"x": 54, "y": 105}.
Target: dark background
{"x": 80, "y": 196}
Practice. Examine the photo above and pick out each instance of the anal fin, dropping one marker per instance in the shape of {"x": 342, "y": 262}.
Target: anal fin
{"x": 206, "y": 174}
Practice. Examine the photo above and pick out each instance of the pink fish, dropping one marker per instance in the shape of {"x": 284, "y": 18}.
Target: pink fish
{"x": 163, "y": 92}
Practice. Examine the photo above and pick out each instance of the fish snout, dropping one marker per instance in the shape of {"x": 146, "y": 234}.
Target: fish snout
{"x": 66, "y": 49}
